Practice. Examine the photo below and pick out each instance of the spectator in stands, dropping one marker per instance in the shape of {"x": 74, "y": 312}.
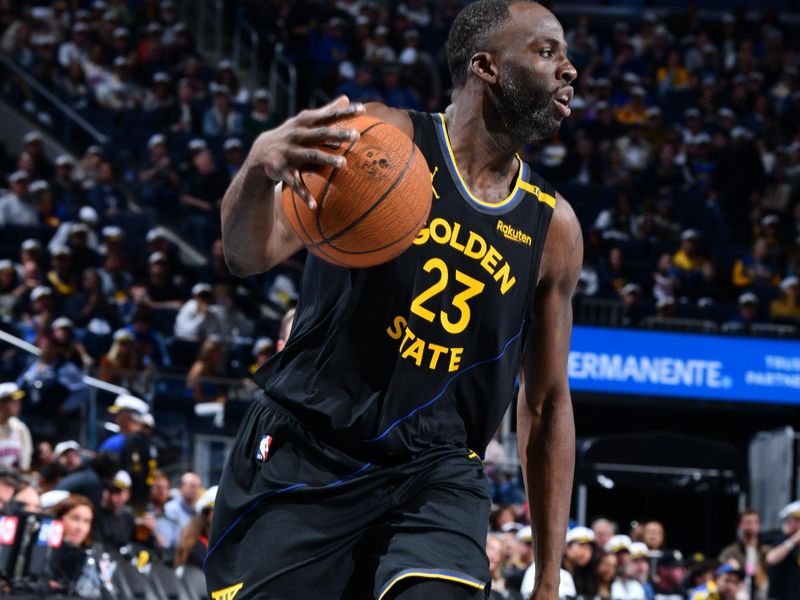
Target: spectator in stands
{"x": 61, "y": 277}
{"x": 786, "y": 309}
{"x": 748, "y": 315}
{"x": 726, "y": 584}
{"x": 616, "y": 223}
{"x": 66, "y": 188}
{"x": 127, "y": 412}
{"x": 603, "y": 530}
{"x": 749, "y": 553}
{"x": 638, "y": 570}
{"x": 193, "y": 544}
{"x": 634, "y": 149}
{"x": 86, "y": 216}
{"x": 167, "y": 529}
{"x": 160, "y": 291}
{"x": 233, "y": 321}
{"x": 226, "y": 75}
{"x": 122, "y": 362}
{"x": 159, "y": 180}
{"x": 670, "y": 575}
{"x": 260, "y": 117}
{"x": 632, "y": 309}
{"x": 634, "y": 112}
{"x": 148, "y": 342}
{"x": 263, "y": 350}
{"x": 756, "y": 269}
{"x": 181, "y": 508}
{"x": 606, "y": 573}
{"x": 184, "y": 116}
{"x": 68, "y": 455}
{"x": 106, "y": 197}
{"x": 16, "y": 446}
{"x": 624, "y": 586}
{"x": 578, "y": 558}
{"x": 221, "y": 119}
{"x": 360, "y": 87}
{"x": 653, "y": 535}
{"x": 395, "y": 92}
{"x": 17, "y": 207}
{"x": 688, "y": 263}
{"x": 74, "y": 351}
{"x": 10, "y": 289}
{"x": 91, "y": 479}
{"x": 496, "y": 553}
{"x": 783, "y": 560}
{"x": 378, "y": 51}
{"x": 201, "y": 196}
{"x": 76, "y": 512}
{"x": 33, "y": 145}
{"x": 114, "y": 523}
{"x": 28, "y": 499}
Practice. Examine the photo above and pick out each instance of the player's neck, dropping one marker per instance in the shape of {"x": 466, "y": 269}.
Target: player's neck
{"x": 484, "y": 151}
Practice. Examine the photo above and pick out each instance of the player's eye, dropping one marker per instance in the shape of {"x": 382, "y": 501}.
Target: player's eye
{"x": 547, "y": 53}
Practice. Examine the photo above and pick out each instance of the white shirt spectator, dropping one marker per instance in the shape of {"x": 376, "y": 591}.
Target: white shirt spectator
{"x": 566, "y": 585}
{"x": 627, "y": 590}
{"x": 16, "y": 447}
{"x": 16, "y": 211}
{"x": 194, "y": 323}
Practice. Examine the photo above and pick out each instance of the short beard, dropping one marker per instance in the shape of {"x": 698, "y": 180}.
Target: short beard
{"x": 523, "y": 106}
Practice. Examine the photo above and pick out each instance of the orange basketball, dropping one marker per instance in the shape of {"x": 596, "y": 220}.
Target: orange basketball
{"x": 369, "y": 211}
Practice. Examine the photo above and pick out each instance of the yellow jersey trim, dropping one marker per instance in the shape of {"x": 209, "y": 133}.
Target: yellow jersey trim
{"x": 463, "y": 184}
{"x": 540, "y": 195}
{"x": 228, "y": 593}
{"x": 428, "y": 575}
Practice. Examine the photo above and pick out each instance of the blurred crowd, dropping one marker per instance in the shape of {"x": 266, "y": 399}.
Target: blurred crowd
{"x": 600, "y": 562}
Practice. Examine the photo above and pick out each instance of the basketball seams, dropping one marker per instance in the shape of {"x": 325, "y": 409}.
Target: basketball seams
{"x": 318, "y": 251}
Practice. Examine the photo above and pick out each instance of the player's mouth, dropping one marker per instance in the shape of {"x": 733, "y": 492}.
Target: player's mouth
{"x": 561, "y": 100}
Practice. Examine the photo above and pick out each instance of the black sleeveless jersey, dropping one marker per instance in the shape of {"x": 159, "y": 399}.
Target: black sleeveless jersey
{"x": 424, "y": 350}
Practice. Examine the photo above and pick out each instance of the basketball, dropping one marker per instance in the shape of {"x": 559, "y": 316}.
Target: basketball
{"x": 369, "y": 211}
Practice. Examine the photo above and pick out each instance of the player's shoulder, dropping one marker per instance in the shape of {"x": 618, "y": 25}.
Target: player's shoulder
{"x": 394, "y": 116}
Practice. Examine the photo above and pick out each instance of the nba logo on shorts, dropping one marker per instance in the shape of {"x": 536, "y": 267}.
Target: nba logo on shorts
{"x": 263, "y": 448}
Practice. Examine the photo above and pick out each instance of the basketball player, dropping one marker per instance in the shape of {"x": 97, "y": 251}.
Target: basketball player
{"x": 357, "y": 473}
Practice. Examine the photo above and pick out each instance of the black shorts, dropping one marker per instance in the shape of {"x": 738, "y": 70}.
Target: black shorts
{"x": 296, "y": 518}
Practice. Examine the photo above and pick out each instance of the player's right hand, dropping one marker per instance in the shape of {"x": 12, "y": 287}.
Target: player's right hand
{"x": 298, "y": 144}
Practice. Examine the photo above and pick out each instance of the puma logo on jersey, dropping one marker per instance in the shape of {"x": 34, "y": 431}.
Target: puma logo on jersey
{"x": 228, "y": 593}
{"x": 515, "y": 235}
{"x": 263, "y": 448}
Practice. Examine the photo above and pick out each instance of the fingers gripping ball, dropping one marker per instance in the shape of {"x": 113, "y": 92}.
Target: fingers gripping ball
{"x": 369, "y": 211}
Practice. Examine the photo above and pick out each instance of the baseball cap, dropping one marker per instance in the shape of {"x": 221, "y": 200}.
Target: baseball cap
{"x": 31, "y": 244}
{"x": 61, "y": 251}
{"x": 790, "y": 510}
{"x": 32, "y": 136}
{"x": 157, "y": 257}
{"x": 231, "y": 143}
{"x": 63, "y": 323}
{"x": 156, "y": 233}
{"x": 156, "y": 139}
{"x": 148, "y": 420}
{"x": 88, "y": 215}
{"x": 631, "y": 288}
{"x": 790, "y": 281}
{"x": 770, "y": 220}
{"x": 121, "y": 481}
{"x": 261, "y": 94}
{"x": 121, "y": 335}
{"x": 748, "y": 298}
{"x": 38, "y": 186}
{"x": 39, "y": 291}
{"x": 18, "y": 176}
{"x": 729, "y": 568}
{"x": 161, "y": 77}
{"x": 525, "y": 535}
{"x": 11, "y": 390}
{"x": 638, "y": 550}
{"x": 263, "y": 345}
{"x": 78, "y": 227}
{"x": 53, "y": 497}
{"x": 618, "y": 543}
{"x": 690, "y": 234}
{"x": 580, "y": 535}
{"x": 671, "y": 558}
{"x": 125, "y": 402}
{"x": 62, "y": 447}
{"x": 112, "y": 232}
{"x": 196, "y": 144}
{"x": 64, "y": 159}
{"x": 201, "y": 288}
{"x": 6, "y": 265}
{"x": 206, "y": 501}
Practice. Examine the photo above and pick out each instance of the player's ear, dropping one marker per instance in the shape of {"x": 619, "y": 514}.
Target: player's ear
{"x": 483, "y": 66}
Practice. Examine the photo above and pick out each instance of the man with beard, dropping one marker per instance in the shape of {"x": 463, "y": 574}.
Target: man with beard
{"x": 359, "y": 467}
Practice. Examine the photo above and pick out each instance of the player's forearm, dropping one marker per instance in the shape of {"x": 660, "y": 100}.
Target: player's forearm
{"x": 248, "y": 219}
{"x": 547, "y": 453}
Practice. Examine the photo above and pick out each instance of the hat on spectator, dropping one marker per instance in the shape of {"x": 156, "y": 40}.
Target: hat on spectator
{"x": 10, "y": 390}
{"x": 726, "y": 113}
{"x": 232, "y": 143}
{"x": 201, "y": 288}
{"x": 381, "y": 30}
{"x": 665, "y": 301}
{"x": 120, "y": 32}
{"x": 631, "y": 78}
{"x": 62, "y": 447}
{"x": 121, "y": 481}
{"x": 78, "y": 227}
{"x": 196, "y": 144}
{"x": 32, "y": 136}
{"x": 263, "y": 345}
{"x": 157, "y": 257}
{"x": 31, "y": 244}
{"x": 206, "y": 501}
{"x": 525, "y": 535}
{"x": 671, "y": 558}
{"x": 729, "y": 568}
{"x": 148, "y": 420}
{"x": 224, "y": 65}
{"x": 123, "y": 335}
{"x": 126, "y": 402}
{"x": 121, "y": 61}
{"x": 154, "y": 28}
{"x": 110, "y": 16}
{"x": 113, "y": 233}
{"x": 631, "y": 288}
{"x": 161, "y": 77}
{"x": 262, "y": 94}
{"x": 63, "y": 323}
{"x": 690, "y": 234}
{"x": 88, "y": 215}
{"x": 790, "y": 281}
{"x": 580, "y": 535}
{"x": 80, "y": 28}
{"x": 155, "y": 140}
{"x": 38, "y": 186}
{"x": 638, "y": 550}
{"x": 64, "y": 159}
{"x": 6, "y": 265}
{"x": 53, "y": 497}
{"x": 220, "y": 88}
{"x": 156, "y": 233}
{"x": 748, "y": 298}
{"x": 362, "y": 20}
{"x": 740, "y": 133}
{"x": 653, "y": 111}
{"x": 618, "y": 543}
{"x": 701, "y": 138}
{"x": 40, "y": 291}
{"x": 18, "y": 176}
{"x": 770, "y": 220}
{"x": 61, "y": 251}
{"x": 790, "y": 510}
{"x": 94, "y": 150}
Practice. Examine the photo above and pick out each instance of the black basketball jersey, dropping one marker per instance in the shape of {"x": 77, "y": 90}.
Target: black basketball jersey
{"x": 423, "y": 350}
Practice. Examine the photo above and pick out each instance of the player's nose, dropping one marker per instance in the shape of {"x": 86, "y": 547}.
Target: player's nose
{"x": 567, "y": 71}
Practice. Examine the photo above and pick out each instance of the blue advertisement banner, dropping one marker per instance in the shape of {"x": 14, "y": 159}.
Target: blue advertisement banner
{"x": 650, "y": 363}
